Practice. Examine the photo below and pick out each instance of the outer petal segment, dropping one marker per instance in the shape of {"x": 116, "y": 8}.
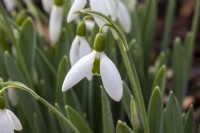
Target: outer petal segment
{"x": 77, "y": 5}
{"x": 15, "y": 121}
{"x": 74, "y": 51}
{"x": 79, "y": 71}
{"x": 84, "y": 48}
{"x": 5, "y": 123}
{"x": 124, "y": 17}
{"x": 99, "y": 6}
{"x": 111, "y": 78}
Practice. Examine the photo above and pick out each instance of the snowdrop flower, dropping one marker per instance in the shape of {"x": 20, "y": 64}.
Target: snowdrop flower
{"x": 55, "y": 22}
{"x": 9, "y": 4}
{"x": 107, "y": 7}
{"x": 96, "y": 63}
{"x": 47, "y": 5}
{"x": 124, "y": 17}
{"x": 8, "y": 121}
{"x": 80, "y": 47}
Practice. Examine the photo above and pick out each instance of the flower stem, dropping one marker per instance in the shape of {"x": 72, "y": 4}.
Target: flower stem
{"x": 18, "y": 85}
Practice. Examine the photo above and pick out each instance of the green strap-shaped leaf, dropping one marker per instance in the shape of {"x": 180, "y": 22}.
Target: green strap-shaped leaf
{"x": 62, "y": 70}
{"x": 155, "y": 111}
{"x": 189, "y": 121}
{"x": 178, "y": 70}
{"x": 160, "y": 79}
{"x": 172, "y": 116}
{"x": 77, "y": 120}
{"x": 27, "y": 42}
{"x": 123, "y": 128}
{"x": 108, "y": 126}
{"x": 126, "y": 99}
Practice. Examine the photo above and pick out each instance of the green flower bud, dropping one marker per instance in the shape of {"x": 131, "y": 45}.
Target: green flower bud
{"x": 81, "y": 29}
{"x": 2, "y": 102}
{"x": 58, "y": 2}
{"x": 99, "y": 42}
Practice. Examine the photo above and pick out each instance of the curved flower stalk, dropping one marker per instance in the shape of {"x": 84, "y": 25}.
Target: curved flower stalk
{"x": 107, "y": 7}
{"x": 55, "y": 22}
{"x": 80, "y": 47}
{"x": 47, "y": 5}
{"x": 8, "y": 121}
{"x": 9, "y": 4}
{"x": 96, "y": 63}
{"x": 124, "y": 17}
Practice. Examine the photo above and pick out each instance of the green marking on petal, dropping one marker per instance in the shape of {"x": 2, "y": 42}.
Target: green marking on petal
{"x": 96, "y": 67}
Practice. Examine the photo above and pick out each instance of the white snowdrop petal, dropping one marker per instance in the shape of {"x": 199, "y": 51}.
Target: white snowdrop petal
{"x": 9, "y": 4}
{"x": 79, "y": 71}
{"x": 111, "y": 78}
{"x": 15, "y": 121}
{"x": 99, "y": 6}
{"x": 47, "y": 5}
{"x": 112, "y": 8}
{"x": 55, "y": 23}
{"x": 74, "y": 51}
{"x": 84, "y": 48}
{"x": 77, "y": 5}
{"x": 5, "y": 123}
{"x": 124, "y": 17}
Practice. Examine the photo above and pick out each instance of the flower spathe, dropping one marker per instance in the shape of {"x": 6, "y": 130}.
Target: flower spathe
{"x": 104, "y": 67}
{"x": 9, "y": 122}
{"x": 80, "y": 47}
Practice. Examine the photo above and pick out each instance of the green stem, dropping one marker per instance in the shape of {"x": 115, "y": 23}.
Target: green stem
{"x": 131, "y": 71}
{"x": 43, "y": 101}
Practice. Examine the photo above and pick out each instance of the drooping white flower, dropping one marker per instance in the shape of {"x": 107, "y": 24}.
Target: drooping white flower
{"x": 9, "y": 122}
{"x": 96, "y": 63}
{"x": 47, "y": 5}
{"x": 9, "y": 4}
{"x": 80, "y": 47}
{"x": 124, "y": 17}
{"x": 55, "y": 22}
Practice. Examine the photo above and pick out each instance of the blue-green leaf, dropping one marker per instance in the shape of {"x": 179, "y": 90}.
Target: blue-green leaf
{"x": 123, "y": 128}
{"x": 77, "y": 120}
{"x": 172, "y": 116}
{"x": 108, "y": 126}
{"x": 155, "y": 111}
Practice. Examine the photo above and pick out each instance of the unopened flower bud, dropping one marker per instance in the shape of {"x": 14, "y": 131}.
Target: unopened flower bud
{"x": 99, "y": 42}
{"x": 81, "y": 29}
